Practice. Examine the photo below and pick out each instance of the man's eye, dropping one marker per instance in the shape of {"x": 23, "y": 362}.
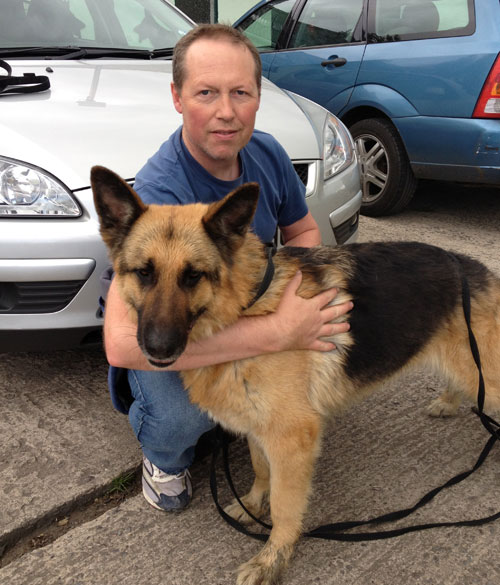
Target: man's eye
{"x": 205, "y": 92}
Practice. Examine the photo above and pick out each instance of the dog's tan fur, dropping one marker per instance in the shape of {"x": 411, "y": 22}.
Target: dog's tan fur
{"x": 278, "y": 401}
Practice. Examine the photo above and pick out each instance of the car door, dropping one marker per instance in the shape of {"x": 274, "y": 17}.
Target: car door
{"x": 323, "y": 51}
{"x": 266, "y": 25}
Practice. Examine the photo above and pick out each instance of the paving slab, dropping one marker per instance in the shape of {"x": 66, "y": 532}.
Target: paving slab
{"x": 62, "y": 441}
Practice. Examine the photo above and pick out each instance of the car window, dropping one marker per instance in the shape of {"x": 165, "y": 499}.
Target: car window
{"x": 420, "y": 19}
{"x": 127, "y": 24}
{"x": 327, "y": 22}
{"x": 264, "y": 26}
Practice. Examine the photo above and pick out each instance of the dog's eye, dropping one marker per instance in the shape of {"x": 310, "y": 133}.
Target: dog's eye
{"x": 191, "y": 277}
{"x": 145, "y": 274}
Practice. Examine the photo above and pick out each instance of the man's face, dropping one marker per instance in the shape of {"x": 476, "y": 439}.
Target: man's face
{"x": 218, "y": 101}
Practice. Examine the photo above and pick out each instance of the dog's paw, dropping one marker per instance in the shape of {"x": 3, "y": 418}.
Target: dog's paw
{"x": 236, "y": 511}
{"x": 440, "y": 408}
{"x": 265, "y": 568}
{"x": 253, "y": 573}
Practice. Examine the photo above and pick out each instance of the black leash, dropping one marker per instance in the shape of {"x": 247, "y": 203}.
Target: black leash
{"x": 28, "y": 83}
{"x": 338, "y": 531}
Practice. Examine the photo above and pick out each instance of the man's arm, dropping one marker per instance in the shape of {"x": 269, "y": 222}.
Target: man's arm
{"x": 304, "y": 233}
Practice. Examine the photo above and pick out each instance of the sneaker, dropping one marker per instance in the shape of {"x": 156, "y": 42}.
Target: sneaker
{"x": 163, "y": 491}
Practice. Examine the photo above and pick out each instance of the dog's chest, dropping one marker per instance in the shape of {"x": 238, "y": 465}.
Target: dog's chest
{"x": 228, "y": 396}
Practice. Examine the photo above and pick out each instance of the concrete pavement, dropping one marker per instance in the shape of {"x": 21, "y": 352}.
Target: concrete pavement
{"x": 378, "y": 457}
{"x": 61, "y": 440}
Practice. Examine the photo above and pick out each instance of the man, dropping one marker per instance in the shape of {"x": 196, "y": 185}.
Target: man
{"x": 216, "y": 89}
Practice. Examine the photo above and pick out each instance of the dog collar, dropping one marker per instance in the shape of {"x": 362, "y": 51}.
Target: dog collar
{"x": 268, "y": 276}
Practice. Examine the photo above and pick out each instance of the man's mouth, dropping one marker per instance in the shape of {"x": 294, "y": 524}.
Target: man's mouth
{"x": 224, "y": 133}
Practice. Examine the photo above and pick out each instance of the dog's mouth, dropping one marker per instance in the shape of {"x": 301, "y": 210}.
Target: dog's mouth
{"x": 162, "y": 364}
{"x": 158, "y": 360}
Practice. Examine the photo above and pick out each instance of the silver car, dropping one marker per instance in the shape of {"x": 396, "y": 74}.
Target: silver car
{"x": 109, "y": 103}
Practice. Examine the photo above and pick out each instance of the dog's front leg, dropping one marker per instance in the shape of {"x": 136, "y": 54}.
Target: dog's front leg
{"x": 291, "y": 457}
{"x": 255, "y": 500}
{"x": 447, "y": 403}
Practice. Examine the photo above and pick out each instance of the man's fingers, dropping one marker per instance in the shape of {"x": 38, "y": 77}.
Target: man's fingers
{"x": 331, "y": 329}
{"x": 331, "y": 313}
{"x": 326, "y": 297}
{"x": 293, "y": 285}
{"x": 322, "y": 345}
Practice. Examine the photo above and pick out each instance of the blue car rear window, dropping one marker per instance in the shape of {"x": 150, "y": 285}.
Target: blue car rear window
{"x": 393, "y": 20}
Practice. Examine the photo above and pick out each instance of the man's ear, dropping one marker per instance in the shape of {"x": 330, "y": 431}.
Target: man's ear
{"x": 117, "y": 205}
{"x": 228, "y": 220}
{"x": 176, "y": 98}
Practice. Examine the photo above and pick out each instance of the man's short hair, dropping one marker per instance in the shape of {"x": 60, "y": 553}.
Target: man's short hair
{"x": 211, "y": 31}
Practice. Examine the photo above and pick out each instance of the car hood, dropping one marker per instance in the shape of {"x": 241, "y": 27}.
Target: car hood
{"x": 116, "y": 113}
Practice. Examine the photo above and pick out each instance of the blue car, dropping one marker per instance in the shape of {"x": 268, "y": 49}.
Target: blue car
{"x": 416, "y": 82}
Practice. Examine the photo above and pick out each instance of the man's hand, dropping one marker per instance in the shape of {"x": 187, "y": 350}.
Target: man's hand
{"x": 301, "y": 323}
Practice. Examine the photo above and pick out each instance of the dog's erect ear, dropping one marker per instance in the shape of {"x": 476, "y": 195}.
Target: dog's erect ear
{"x": 228, "y": 220}
{"x": 117, "y": 205}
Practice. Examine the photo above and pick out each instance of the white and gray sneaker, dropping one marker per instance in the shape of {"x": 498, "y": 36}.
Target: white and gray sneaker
{"x": 163, "y": 491}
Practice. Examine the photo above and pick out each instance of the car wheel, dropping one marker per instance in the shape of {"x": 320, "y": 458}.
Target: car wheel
{"x": 387, "y": 179}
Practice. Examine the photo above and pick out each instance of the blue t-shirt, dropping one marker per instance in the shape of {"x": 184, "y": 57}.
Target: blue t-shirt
{"x": 173, "y": 176}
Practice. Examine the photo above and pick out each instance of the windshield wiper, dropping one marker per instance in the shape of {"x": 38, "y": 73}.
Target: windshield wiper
{"x": 166, "y": 52}
{"x": 74, "y": 52}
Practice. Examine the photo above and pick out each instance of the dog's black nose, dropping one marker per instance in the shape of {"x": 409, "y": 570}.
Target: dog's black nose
{"x": 160, "y": 344}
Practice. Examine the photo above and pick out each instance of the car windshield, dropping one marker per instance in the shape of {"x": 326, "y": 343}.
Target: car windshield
{"x": 79, "y": 27}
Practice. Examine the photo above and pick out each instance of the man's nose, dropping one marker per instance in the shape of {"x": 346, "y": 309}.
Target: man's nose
{"x": 225, "y": 107}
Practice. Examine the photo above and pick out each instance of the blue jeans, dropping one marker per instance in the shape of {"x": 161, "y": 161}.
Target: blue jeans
{"x": 165, "y": 422}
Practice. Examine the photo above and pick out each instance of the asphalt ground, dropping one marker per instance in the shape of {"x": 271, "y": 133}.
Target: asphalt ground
{"x": 63, "y": 446}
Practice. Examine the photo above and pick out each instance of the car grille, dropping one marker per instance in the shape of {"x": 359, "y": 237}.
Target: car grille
{"x": 37, "y": 297}
{"x": 302, "y": 169}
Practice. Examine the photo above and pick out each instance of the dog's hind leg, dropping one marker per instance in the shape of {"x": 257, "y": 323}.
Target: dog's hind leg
{"x": 450, "y": 356}
{"x": 291, "y": 458}
{"x": 255, "y": 500}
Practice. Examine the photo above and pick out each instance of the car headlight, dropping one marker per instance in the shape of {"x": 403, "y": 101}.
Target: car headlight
{"x": 29, "y": 191}
{"x": 338, "y": 148}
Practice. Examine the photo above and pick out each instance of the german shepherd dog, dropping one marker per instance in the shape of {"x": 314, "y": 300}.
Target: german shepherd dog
{"x": 188, "y": 271}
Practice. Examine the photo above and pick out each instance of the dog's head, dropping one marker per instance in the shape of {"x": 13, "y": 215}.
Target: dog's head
{"x": 172, "y": 262}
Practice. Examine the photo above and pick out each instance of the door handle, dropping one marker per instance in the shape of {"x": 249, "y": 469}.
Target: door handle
{"x": 337, "y": 62}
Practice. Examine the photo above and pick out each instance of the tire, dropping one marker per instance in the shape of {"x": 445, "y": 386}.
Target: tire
{"x": 387, "y": 179}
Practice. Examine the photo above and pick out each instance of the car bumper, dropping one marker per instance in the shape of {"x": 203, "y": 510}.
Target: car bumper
{"x": 342, "y": 194}
{"x": 50, "y": 282}
{"x": 455, "y": 149}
